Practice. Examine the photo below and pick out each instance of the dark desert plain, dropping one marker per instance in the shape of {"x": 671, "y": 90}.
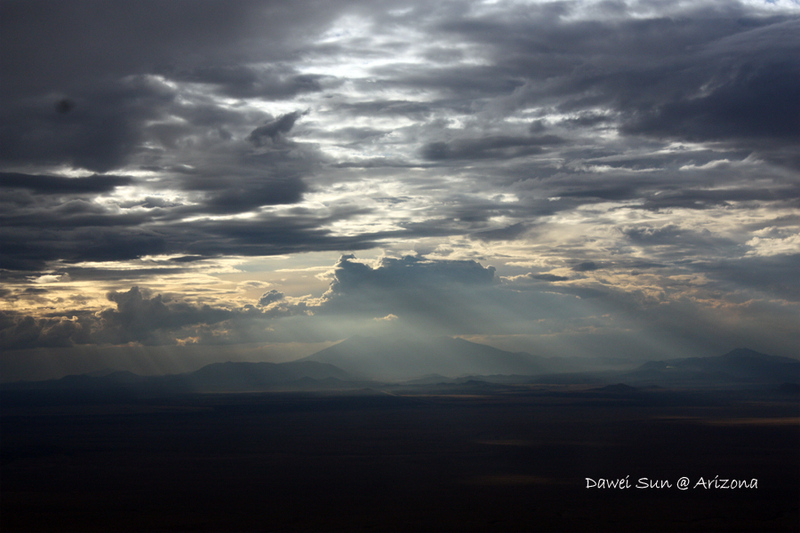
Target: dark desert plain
{"x": 465, "y": 265}
{"x": 495, "y": 453}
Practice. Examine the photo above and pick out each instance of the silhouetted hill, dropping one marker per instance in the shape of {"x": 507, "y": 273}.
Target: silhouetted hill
{"x": 217, "y": 377}
{"x": 618, "y": 388}
{"x": 238, "y": 376}
{"x": 737, "y": 366}
{"x": 418, "y": 362}
{"x": 395, "y": 359}
{"x": 113, "y": 381}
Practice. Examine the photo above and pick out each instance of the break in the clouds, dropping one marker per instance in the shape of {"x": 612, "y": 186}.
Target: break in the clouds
{"x": 547, "y": 176}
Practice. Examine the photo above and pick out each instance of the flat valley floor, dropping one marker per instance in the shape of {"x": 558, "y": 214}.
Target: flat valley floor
{"x": 413, "y": 459}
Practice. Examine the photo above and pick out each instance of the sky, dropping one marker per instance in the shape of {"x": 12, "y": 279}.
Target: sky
{"x": 182, "y": 182}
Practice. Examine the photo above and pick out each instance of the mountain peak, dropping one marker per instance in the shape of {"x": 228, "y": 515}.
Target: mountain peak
{"x": 398, "y": 358}
{"x": 741, "y": 365}
{"x": 748, "y": 354}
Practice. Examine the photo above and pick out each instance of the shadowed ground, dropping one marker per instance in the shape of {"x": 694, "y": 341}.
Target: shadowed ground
{"x": 404, "y": 460}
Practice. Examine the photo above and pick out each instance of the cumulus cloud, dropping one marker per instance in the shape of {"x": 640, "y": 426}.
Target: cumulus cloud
{"x": 409, "y": 272}
{"x": 270, "y": 297}
{"x": 19, "y": 331}
{"x": 431, "y": 296}
{"x": 139, "y": 317}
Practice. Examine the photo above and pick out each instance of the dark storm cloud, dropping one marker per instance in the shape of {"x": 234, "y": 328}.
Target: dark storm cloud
{"x": 274, "y": 131}
{"x": 354, "y": 136}
{"x": 71, "y": 214}
{"x": 711, "y": 73}
{"x": 34, "y": 241}
{"x": 754, "y": 92}
{"x": 121, "y": 275}
{"x": 775, "y": 275}
{"x": 240, "y": 81}
{"x": 586, "y": 266}
{"x": 378, "y": 162}
{"x": 62, "y": 185}
{"x": 703, "y": 198}
{"x": 61, "y": 44}
{"x": 413, "y": 110}
{"x": 244, "y": 194}
{"x": 267, "y": 236}
{"x": 500, "y": 147}
{"x": 665, "y": 132}
{"x": 31, "y": 248}
{"x": 585, "y": 119}
{"x": 151, "y": 202}
{"x": 669, "y": 235}
{"x": 549, "y": 277}
{"x": 761, "y": 101}
{"x": 105, "y": 128}
{"x": 461, "y": 84}
{"x": 511, "y": 232}
{"x": 84, "y": 84}
{"x": 243, "y": 179}
{"x": 34, "y": 290}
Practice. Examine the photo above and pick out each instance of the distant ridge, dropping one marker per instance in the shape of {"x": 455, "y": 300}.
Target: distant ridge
{"x": 255, "y": 376}
{"x": 403, "y": 359}
{"x": 362, "y": 362}
{"x": 216, "y": 377}
{"x": 618, "y": 388}
{"x": 741, "y": 365}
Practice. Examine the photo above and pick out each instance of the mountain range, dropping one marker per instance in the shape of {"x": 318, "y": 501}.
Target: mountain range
{"x": 402, "y": 359}
{"x": 361, "y": 362}
{"x": 216, "y": 377}
{"x": 737, "y": 366}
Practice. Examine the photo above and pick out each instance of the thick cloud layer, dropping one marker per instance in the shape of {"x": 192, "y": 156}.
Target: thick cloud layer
{"x": 610, "y": 160}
